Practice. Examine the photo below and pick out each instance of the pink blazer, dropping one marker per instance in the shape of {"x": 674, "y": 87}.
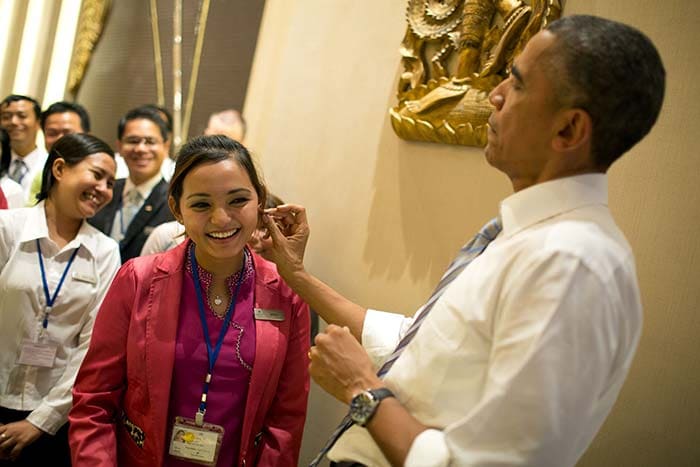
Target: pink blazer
{"x": 121, "y": 394}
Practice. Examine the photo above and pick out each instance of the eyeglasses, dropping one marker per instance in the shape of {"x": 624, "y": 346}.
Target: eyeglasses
{"x": 136, "y": 140}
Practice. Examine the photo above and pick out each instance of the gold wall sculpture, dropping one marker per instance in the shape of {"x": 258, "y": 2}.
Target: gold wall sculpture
{"x": 454, "y": 53}
{"x": 93, "y": 14}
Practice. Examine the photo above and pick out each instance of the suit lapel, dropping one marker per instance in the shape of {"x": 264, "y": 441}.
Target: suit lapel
{"x": 150, "y": 208}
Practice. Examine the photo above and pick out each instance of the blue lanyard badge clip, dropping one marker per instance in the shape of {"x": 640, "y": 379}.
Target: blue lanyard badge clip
{"x": 212, "y": 352}
{"x": 51, "y": 299}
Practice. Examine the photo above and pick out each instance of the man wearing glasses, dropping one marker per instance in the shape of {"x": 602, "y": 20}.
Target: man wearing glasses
{"x": 140, "y": 201}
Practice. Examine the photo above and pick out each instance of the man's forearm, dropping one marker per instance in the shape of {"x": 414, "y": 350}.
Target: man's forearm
{"x": 329, "y": 304}
{"x": 394, "y": 429}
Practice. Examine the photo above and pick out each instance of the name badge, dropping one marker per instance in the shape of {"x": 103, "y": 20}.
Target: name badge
{"x": 269, "y": 315}
{"x": 79, "y": 276}
{"x": 196, "y": 444}
{"x": 41, "y": 354}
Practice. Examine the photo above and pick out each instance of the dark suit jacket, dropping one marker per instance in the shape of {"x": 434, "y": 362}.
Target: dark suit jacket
{"x": 154, "y": 212}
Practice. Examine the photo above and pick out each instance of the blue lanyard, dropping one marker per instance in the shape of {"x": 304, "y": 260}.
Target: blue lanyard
{"x": 212, "y": 354}
{"x": 50, "y": 300}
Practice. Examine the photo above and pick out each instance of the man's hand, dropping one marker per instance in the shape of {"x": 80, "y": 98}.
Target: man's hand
{"x": 287, "y": 226}
{"x": 340, "y": 365}
{"x": 16, "y": 436}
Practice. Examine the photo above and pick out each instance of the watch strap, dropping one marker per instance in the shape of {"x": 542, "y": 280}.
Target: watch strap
{"x": 363, "y": 412}
{"x": 381, "y": 393}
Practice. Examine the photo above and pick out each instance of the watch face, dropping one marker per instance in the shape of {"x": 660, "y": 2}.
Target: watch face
{"x": 362, "y": 407}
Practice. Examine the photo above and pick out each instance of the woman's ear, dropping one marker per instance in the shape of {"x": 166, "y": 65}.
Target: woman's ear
{"x": 175, "y": 209}
{"x": 58, "y": 168}
{"x": 261, "y": 211}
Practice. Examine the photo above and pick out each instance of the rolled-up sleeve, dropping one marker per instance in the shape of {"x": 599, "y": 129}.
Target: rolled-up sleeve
{"x": 381, "y": 333}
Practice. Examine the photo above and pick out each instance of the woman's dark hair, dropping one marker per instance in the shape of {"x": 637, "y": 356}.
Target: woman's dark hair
{"x": 5, "y": 154}
{"x": 273, "y": 201}
{"x": 72, "y": 149}
{"x": 210, "y": 150}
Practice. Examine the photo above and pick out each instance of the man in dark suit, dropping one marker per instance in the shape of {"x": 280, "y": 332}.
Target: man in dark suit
{"x": 140, "y": 201}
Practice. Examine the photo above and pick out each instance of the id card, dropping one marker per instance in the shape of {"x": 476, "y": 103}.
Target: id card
{"x": 197, "y": 444}
{"x": 41, "y": 353}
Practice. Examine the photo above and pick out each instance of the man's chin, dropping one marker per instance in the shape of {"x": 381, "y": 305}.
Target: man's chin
{"x": 489, "y": 156}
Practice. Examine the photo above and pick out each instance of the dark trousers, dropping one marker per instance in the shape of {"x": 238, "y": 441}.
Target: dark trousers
{"x": 47, "y": 450}
{"x": 346, "y": 464}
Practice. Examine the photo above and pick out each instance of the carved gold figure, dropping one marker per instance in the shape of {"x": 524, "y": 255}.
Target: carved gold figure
{"x": 93, "y": 14}
{"x": 454, "y": 53}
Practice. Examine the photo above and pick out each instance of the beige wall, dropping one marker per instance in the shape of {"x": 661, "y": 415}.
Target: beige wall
{"x": 387, "y": 215}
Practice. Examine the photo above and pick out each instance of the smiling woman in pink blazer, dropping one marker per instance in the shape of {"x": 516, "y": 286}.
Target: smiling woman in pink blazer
{"x": 198, "y": 354}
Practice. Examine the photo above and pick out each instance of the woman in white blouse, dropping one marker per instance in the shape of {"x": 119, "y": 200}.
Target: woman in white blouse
{"x": 55, "y": 270}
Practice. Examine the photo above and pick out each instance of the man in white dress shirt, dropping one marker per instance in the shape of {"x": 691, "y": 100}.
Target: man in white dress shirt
{"x": 20, "y": 116}
{"x": 522, "y": 354}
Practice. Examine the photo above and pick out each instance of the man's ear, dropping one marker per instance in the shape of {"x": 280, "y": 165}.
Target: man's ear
{"x": 574, "y": 130}
{"x": 175, "y": 209}
{"x": 118, "y": 144}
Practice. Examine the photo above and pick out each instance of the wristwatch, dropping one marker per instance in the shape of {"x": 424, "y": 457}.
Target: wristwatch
{"x": 363, "y": 405}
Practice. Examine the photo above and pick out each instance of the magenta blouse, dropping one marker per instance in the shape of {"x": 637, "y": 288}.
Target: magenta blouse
{"x": 229, "y": 386}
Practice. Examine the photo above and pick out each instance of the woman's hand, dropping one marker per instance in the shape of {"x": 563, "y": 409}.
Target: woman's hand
{"x": 289, "y": 230}
{"x": 16, "y": 436}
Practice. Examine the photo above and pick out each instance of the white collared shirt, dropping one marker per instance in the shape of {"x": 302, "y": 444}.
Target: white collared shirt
{"x": 35, "y": 162}
{"x": 47, "y": 391}
{"x": 164, "y": 237}
{"x": 13, "y": 192}
{"x": 144, "y": 189}
{"x": 523, "y": 356}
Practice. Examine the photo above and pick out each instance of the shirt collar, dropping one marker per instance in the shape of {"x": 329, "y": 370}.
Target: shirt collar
{"x": 36, "y": 228}
{"x": 31, "y": 158}
{"x": 545, "y": 200}
{"x": 144, "y": 189}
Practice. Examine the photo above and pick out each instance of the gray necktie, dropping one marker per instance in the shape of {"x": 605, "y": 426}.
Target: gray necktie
{"x": 466, "y": 255}
{"x": 131, "y": 203}
{"x": 19, "y": 170}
